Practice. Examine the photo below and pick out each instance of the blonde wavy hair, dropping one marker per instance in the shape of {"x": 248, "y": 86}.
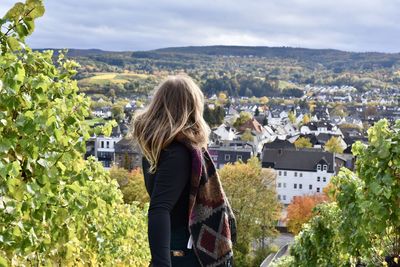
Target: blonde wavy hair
{"x": 176, "y": 108}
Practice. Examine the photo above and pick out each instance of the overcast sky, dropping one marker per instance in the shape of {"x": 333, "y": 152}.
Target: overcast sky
{"x": 353, "y": 25}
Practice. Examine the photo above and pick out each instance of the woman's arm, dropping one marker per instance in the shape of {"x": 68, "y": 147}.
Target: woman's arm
{"x": 172, "y": 174}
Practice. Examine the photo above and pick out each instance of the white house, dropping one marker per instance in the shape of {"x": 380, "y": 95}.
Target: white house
{"x": 225, "y": 132}
{"x": 299, "y": 172}
{"x": 319, "y": 127}
{"x": 102, "y": 113}
{"x": 104, "y": 149}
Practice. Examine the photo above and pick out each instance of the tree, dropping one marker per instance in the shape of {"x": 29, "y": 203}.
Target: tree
{"x": 247, "y": 136}
{"x": 292, "y": 117}
{"x": 222, "y": 98}
{"x": 131, "y": 184}
{"x": 303, "y": 142}
{"x": 334, "y": 145}
{"x": 264, "y": 100}
{"x": 208, "y": 115}
{"x": 374, "y": 193}
{"x": 311, "y": 106}
{"x": 56, "y": 209}
{"x": 253, "y": 198}
{"x": 214, "y": 116}
{"x": 318, "y": 243}
{"x": 339, "y": 110}
{"x": 127, "y": 163}
{"x": 362, "y": 223}
{"x": 112, "y": 95}
{"x": 300, "y": 209}
{"x": 370, "y": 111}
{"x": 243, "y": 118}
{"x": 219, "y": 114}
{"x": 306, "y": 119}
{"x": 118, "y": 110}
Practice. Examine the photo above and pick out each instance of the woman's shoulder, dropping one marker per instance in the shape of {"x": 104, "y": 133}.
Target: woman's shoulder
{"x": 176, "y": 147}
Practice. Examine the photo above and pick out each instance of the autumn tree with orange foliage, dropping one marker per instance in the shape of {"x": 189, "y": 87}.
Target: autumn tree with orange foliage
{"x": 300, "y": 210}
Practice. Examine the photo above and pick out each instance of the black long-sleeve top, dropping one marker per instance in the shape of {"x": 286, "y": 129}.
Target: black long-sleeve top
{"x": 169, "y": 190}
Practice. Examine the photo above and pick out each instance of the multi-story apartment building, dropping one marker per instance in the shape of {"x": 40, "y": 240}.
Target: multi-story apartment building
{"x": 299, "y": 172}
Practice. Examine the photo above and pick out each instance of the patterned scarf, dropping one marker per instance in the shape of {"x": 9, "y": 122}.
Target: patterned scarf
{"x": 212, "y": 223}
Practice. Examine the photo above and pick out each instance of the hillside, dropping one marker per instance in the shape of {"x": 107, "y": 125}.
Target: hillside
{"x": 326, "y": 57}
{"x": 219, "y": 68}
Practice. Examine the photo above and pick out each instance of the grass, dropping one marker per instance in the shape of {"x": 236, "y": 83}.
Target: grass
{"x": 112, "y": 77}
{"x": 94, "y": 121}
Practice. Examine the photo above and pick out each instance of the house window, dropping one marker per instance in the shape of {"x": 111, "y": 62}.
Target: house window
{"x": 108, "y": 144}
{"x": 325, "y": 167}
{"x": 102, "y": 144}
{"x": 319, "y": 167}
{"x": 318, "y": 179}
{"x": 280, "y": 173}
{"x": 324, "y": 179}
{"x": 284, "y": 197}
{"x": 310, "y": 187}
{"x": 279, "y": 185}
{"x": 300, "y": 186}
{"x": 279, "y": 197}
{"x": 317, "y": 189}
{"x": 227, "y": 157}
{"x": 238, "y": 157}
{"x": 295, "y": 174}
{"x": 301, "y": 174}
{"x": 295, "y": 186}
{"x": 284, "y": 185}
{"x": 284, "y": 173}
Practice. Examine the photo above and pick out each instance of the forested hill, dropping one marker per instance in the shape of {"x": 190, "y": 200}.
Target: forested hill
{"x": 330, "y": 58}
{"x": 262, "y": 51}
{"x": 238, "y": 70}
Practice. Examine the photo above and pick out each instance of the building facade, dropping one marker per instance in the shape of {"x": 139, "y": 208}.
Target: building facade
{"x": 299, "y": 172}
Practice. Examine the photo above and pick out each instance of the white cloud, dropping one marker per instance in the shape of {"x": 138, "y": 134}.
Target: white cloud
{"x": 356, "y": 25}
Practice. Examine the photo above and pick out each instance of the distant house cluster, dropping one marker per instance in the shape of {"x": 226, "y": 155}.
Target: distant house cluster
{"x": 304, "y": 146}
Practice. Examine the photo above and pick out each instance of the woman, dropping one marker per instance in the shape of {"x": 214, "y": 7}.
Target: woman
{"x": 173, "y": 137}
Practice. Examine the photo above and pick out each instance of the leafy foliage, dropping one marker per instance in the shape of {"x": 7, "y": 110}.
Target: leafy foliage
{"x": 334, "y": 145}
{"x": 362, "y": 224}
{"x": 247, "y": 136}
{"x": 300, "y": 210}
{"x": 253, "y": 199}
{"x": 131, "y": 184}
{"x": 55, "y": 207}
{"x": 214, "y": 116}
{"x": 303, "y": 142}
{"x": 242, "y": 119}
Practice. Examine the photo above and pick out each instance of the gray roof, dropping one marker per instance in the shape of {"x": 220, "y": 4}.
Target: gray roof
{"x": 297, "y": 159}
{"x": 278, "y": 143}
{"x": 324, "y": 137}
{"x": 319, "y": 124}
{"x": 126, "y": 145}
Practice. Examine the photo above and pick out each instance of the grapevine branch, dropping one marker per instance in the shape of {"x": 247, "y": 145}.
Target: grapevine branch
{"x": 15, "y": 24}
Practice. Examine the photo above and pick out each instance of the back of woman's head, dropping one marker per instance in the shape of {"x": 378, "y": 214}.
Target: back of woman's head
{"x": 175, "y": 109}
